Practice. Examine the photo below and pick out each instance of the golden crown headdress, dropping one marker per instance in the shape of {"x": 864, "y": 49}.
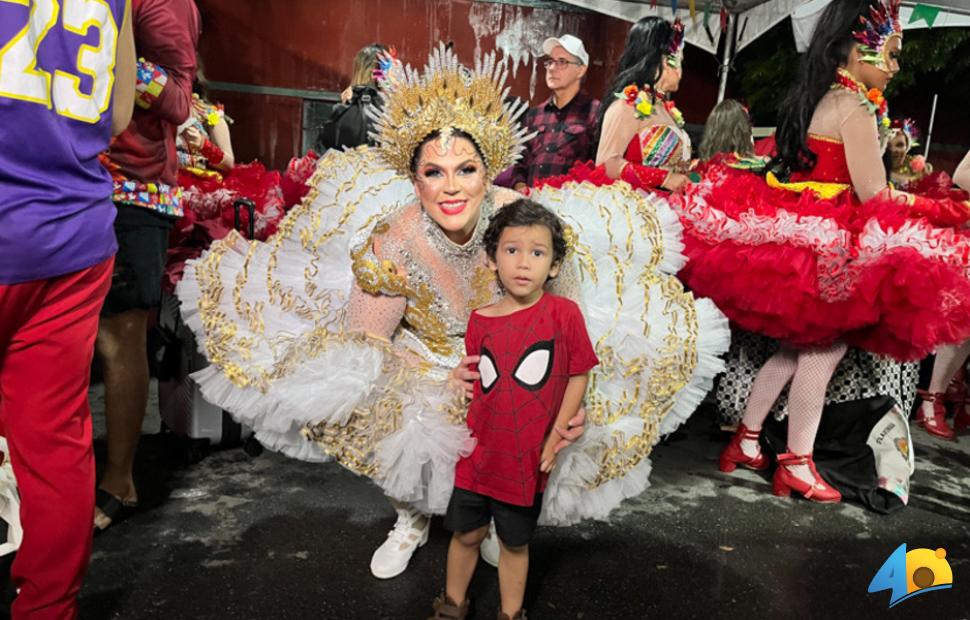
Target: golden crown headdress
{"x": 447, "y": 95}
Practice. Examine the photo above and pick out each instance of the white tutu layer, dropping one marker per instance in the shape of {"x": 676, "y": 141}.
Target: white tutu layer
{"x": 9, "y": 503}
{"x": 270, "y": 318}
{"x": 658, "y": 347}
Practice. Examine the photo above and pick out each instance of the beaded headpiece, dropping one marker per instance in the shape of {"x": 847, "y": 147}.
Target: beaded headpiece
{"x": 875, "y": 30}
{"x": 446, "y": 97}
{"x": 675, "y": 47}
{"x": 908, "y": 128}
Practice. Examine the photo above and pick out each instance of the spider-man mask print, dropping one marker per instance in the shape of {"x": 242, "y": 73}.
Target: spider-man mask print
{"x": 525, "y": 366}
{"x": 531, "y": 372}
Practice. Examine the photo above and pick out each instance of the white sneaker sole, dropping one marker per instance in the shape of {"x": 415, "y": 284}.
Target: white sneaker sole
{"x": 392, "y": 573}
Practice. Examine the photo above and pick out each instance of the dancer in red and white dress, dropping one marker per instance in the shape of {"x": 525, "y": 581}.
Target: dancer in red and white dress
{"x": 831, "y": 255}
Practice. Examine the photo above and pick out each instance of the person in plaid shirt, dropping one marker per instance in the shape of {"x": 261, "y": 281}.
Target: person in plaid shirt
{"x": 565, "y": 123}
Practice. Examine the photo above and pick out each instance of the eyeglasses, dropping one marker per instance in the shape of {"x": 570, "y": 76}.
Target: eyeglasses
{"x": 559, "y": 63}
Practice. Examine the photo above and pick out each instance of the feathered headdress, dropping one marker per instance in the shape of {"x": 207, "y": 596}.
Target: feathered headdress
{"x": 907, "y": 127}
{"x": 448, "y": 96}
{"x": 876, "y": 29}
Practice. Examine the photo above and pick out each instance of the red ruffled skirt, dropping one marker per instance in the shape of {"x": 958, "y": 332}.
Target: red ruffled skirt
{"x": 810, "y": 271}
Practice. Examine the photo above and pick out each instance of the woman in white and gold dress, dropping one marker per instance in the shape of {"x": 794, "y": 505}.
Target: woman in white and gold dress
{"x": 337, "y": 337}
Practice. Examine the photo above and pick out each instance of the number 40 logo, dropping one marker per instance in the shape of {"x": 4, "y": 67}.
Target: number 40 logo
{"x": 910, "y": 574}
{"x": 20, "y": 78}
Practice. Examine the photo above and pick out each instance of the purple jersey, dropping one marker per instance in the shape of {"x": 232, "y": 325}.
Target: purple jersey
{"x": 57, "y": 61}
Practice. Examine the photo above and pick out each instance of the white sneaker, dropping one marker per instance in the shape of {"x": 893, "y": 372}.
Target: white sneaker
{"x": 391, "y": 559}
{"x": 489, "y": 547}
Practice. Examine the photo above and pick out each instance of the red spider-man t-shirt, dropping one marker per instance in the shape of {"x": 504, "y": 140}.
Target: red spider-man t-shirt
{"x": 527, "y": 358}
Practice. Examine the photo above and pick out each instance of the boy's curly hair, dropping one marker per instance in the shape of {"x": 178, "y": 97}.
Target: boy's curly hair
{"x": 525, "y": 212}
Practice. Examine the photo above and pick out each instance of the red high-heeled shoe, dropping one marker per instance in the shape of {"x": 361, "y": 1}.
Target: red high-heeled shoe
{"x": 784, "y": 482}
{"x": 934, "y": 424}
{"x": 733, "y": 455}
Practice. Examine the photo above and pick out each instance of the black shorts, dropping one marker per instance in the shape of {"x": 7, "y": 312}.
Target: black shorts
{"x": 469, "y": 511}
{"x": 140, "y": 262}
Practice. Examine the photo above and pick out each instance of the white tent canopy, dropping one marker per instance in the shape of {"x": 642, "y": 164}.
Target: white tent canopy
{"x": 759, "y": 16}
{"x": 749, "y": 19}
{"x": 755, "y": 17}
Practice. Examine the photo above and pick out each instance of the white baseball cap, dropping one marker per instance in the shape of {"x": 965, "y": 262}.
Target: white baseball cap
{"x": 569, "y": 43}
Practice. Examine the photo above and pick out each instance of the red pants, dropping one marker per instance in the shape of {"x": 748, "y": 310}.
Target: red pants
{"x": 47, "y": 331}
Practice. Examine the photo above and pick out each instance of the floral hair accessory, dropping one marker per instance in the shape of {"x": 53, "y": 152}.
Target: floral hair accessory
{"x": 875, "y": 30}
{"x": 675, "y": 47}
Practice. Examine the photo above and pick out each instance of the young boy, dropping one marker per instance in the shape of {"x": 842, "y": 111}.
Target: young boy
{"x": 535, "y": 361}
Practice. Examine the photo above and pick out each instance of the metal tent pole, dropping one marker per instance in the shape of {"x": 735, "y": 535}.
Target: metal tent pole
{"x": 727, "y": 55}
{"x": 929, "y": 130}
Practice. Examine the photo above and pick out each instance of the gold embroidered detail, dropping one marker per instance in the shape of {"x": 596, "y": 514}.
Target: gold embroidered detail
{"x": 820, "y": 137}
{"x": 375, "y": 276}
{"x": 672, "y": 369}
{"x": 483, "y": 288}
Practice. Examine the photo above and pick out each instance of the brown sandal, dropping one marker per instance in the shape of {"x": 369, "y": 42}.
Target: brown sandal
{"x": 519, "y": 615}
{"x": 446, "y": 609}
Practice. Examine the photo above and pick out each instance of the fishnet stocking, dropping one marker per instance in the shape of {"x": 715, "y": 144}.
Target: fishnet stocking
{"x": 807, "y": 395}
{"x": 809, "y": 371}
{"x": 767, "y": 387}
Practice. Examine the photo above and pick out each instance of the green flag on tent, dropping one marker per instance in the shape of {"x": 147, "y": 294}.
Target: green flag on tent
{"x": 926, "y": 13}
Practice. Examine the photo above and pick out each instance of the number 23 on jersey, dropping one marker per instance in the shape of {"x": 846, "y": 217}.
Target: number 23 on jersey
{"x": 20, "y": 78}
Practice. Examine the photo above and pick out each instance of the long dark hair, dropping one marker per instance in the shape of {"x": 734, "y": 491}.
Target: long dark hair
{"x": 646, "y": 46}
{"x": 830, "y": 48}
